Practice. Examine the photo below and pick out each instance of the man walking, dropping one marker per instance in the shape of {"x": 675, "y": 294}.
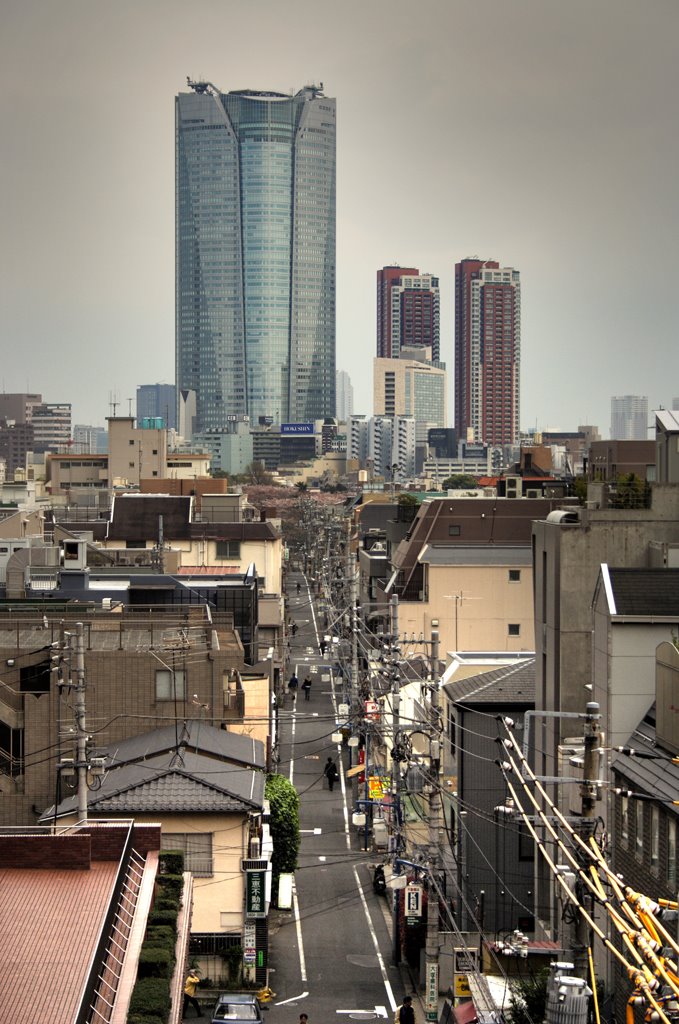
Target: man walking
{"x": 331, "y": 774}
{"x": 190, "y": 992}
{"x": 292, "y": 686}
{"x": 405, "y": 1014}
{"x": 306, "y": 686}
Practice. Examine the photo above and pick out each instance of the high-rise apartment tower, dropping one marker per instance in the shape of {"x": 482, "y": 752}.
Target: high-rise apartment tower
{"x": 487, "y": 352}
{"x": 255, "y": 254}
{"x": 408, "y": 311}
{"x": 629, "y": 418}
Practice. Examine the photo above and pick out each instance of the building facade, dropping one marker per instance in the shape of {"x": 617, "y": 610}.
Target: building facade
{"x": 255, "y": 254}
{"x": 409, "y": 387}
{"x": 629, "y": 417}
{"x": 345, "y": 396}
{"x": 487, "y": 351}
{"x": 156, "y": 401}
{"x": 408, "y": 311}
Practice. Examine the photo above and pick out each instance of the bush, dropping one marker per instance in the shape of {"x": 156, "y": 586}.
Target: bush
{"x": 161, "y": 935}
{"x": 165, "y": 916}
{"x": 155, "y": 962}
{"x": 284, "y": 802}
{"x": 151, "y": 997}
{"x": 171, "y": 887}
{"x": 171, "y": 862}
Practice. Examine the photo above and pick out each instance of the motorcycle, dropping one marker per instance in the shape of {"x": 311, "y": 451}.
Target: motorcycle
{"x": 379, "y": 881}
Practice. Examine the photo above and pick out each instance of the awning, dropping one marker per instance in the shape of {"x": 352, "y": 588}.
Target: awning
{"x": 465, "y": 1013}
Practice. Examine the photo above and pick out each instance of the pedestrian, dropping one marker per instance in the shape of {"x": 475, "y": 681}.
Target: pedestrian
{"x": 292, "y": 686}
{"x": 405, "y": 1014}
{"x": 306, "y": 686}
{"x": 294, "y": 629}
{"x": 323, "y": 646}
{"x": 190, "y": 992}
{"x": 331, "y": 774}
{"x": 303, "y": 1018}
{"x": 299, "y": 587}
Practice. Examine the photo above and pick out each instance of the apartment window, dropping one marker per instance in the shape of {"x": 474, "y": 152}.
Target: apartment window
{"x": 639, "y": 829}
{"x": 196, "y": 847}
{"x": 624, "y": 821}
{"x": 514, "y": 575}
{"x": 454, "y": 531}
{"x": 671, "y": 851}
{"x": 655, "y": 838}
{"x": 170, "y": 685}
{"x": 131, "y": 442}
{"x": 514, "y": 629}
{"x": 228, "y": 549}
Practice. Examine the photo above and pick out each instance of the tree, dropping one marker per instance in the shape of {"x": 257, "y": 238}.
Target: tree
{"x": 284, "y": 804}
{"x": 528, "y": 999}
{"x": 460, "y": 482}
{"x": 256, "y": 473}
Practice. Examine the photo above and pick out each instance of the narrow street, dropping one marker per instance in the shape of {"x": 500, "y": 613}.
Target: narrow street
{"x": 331, "y": 955}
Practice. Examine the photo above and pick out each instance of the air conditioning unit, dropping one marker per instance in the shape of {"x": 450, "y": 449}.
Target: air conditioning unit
{"x": 533, "y": 492}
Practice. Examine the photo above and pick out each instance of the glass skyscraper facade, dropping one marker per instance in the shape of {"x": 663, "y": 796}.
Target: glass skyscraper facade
{"x": 255, "y": 254}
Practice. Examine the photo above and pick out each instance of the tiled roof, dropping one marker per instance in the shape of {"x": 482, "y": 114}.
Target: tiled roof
{"x": 645, "y": 591}
{"x": 195, "y": 736}
{"x": 42, "y": 970}
{"x": 655, "y": 775}
{"x": 208, "y": 570}
{"x": 176, "y": 784}
{"x": 511, "y": 684}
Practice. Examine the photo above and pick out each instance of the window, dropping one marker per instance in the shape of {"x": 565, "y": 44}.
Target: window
{"x": 514, "y": 629}
{"x": 166, "y": 689}
{"x": 514, "y": 575}
{"x": 639, "y": 829}
{"x": 131, "y": 442}
{"x": 624, "y": 821}
{"x": 655, "y": 838}
{"x": 228, "y": 549}
{"x": 454, "y": 531}
{"x": 196, "y": 847}
{"x": 526, "y": 844}
{"x": 671, "y": 851}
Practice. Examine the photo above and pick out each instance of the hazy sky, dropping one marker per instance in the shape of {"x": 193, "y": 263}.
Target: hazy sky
{"x": 542, "y": 134}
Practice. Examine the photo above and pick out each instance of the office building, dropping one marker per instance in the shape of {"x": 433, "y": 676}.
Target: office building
{"x": 408, "y": 311}
{"x": 410, "y": 387}
{"x": 487, "y": 352}
{"x": 255, "y": 254}
{"x": 18, "y": 406}
{"x": 157, "y": 401}
{"x": 89, "y": 440}
{"x": 345, "y": 397}
{"x": 51, "y": 426}
{"x": 629, "y": 418}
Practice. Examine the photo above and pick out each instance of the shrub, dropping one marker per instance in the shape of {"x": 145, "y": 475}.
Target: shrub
{"x": 284, "y": 802}
{"x": 171, "y": 862}
{"x": 151, "y": 996}
{"x": 155, "y": 961}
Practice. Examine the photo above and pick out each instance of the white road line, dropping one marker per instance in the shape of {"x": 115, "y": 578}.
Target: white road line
{"x": 292, "y": 743}
{"x": 298, "y": 927}
{"x": 343, "y": 784}
{"x": 292, "y": 999}
{"x": 383, "y": 971}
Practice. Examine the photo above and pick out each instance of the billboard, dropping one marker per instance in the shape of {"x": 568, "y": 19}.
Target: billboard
{"x": 297, "y": 428}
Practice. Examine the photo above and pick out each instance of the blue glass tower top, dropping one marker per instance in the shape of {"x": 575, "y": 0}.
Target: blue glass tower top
{"x": 255, "y": 254}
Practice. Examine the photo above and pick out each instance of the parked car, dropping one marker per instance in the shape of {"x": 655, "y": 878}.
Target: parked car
{"x": 237, "y": 1008}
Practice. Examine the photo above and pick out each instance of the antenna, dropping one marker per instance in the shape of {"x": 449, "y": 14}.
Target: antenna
{"x": 113, "y": 403}
{"x": 129, "y": 407}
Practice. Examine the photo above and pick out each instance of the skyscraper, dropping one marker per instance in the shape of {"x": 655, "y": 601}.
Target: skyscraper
{"x": 487, "y": 351}
{"x": 157, "y": 400}
{"x": 408, "y": 311}
{"x": 255, "y": 254}
{"x": 629, "y": 418}
{"x": 345, "y": 396}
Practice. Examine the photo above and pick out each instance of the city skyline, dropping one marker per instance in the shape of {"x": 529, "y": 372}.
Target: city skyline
{"x": 537, "y": 134}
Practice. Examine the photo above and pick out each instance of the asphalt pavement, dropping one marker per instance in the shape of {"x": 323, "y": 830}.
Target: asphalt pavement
{"x": 330, "y": 956}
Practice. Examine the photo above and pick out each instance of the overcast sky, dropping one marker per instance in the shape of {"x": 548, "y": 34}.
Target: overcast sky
{"x": 538, "y": 133}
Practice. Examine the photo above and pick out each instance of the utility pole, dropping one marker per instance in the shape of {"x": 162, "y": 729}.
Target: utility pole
{"x": 432, "y": 946}
{"x": 395, "y": 771}
{"x": 351, "y": 576}
{"x": 588, "y": 795}
{"x": 81, "y": 731}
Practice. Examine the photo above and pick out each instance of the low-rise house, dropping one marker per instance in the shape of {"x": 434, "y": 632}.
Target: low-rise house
{"x": 206, "y": 789}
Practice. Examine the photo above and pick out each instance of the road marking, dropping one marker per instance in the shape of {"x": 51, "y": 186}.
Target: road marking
{"x": 292, "y": 999}
{"x": 311, "y": 831}
{"x": 380, "y": 960}
{"x": 298, "y": 928}
{"x": 292, "y": 744}
{"x": 379, "y": 1011}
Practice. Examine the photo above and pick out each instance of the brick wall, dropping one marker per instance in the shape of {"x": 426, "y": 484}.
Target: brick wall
{"x": 65, "y": 852}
